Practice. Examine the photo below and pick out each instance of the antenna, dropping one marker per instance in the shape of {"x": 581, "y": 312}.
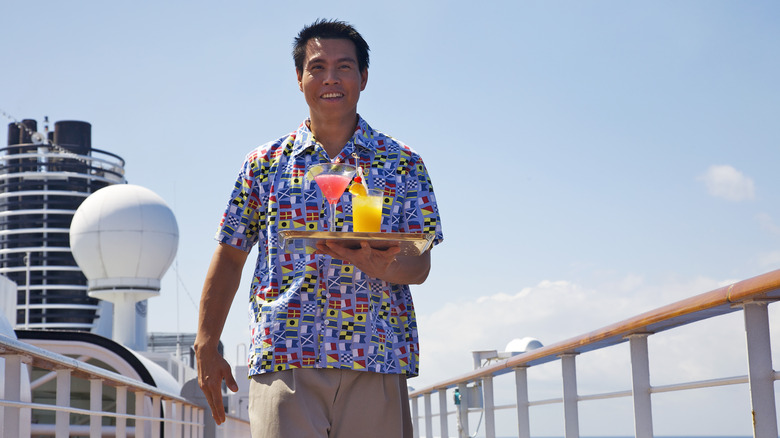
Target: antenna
{"x": 46, "y": 126}
{"x": 38, "y": 138}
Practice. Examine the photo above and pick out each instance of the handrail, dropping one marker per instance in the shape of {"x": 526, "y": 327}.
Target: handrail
{"x": 751, "y": 296}
{"x": 5, "y": 153}
{"x": 716, "y": 302}
{"x": 41, "y": 358}
{"x": 179, "y": 416}
{"x": 178, "y": 413}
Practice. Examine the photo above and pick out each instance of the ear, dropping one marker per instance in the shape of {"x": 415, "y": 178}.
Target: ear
{"x": 299, "y": 74}
{"x": 363, "y": 79}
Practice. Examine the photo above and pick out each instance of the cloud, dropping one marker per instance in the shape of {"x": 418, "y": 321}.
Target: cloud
{"x": 768, "y": 224}
{"x": 728, "y": 183}
{"x": 551, "y": 311}
{"x": 770, "y": 260}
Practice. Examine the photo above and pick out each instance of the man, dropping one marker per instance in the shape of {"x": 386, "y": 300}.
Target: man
{"x": 334, "y": 335}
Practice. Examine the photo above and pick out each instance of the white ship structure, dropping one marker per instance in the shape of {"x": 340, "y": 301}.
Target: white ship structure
{"x": 81, "y": 254}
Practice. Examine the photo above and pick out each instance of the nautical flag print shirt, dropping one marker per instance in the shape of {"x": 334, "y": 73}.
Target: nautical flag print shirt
{"x": 314, "y": 311}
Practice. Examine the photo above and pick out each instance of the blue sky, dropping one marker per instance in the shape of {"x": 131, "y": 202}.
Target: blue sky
{"x": 592, "y": 160}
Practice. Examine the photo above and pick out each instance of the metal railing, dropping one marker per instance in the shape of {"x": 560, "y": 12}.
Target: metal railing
{"x": 751, "y": 296}
{"x": 156, "y": 412}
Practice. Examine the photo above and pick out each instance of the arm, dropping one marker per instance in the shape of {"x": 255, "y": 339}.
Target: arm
{"x": 409, "y": 269}
{"x": 219, "y": 289}
{"x": 383, "y": 264}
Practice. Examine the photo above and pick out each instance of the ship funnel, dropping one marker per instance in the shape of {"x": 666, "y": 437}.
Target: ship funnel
{"x": 18, "y": 135}
{"x": 73, "y": 135}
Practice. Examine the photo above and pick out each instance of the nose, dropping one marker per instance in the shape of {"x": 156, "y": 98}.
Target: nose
{"x": 331, "y": 76}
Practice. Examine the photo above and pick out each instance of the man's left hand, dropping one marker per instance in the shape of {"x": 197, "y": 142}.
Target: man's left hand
{"x": 374, "y": 262}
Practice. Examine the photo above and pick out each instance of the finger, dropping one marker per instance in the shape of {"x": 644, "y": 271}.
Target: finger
{"x": 219, "y": 409}
{"x": 325, "y": 247}
{"x": 211, "y": 388}
{"x": 231, "y": 382}
{"x": 216, "y": 406}
{"x": 335, "y": 250}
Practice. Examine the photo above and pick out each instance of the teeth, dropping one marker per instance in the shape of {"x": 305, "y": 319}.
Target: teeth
{"x": 331, "y": 95}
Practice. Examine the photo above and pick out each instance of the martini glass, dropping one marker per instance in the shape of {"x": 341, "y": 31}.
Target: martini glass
{"x": 332, "y": 179}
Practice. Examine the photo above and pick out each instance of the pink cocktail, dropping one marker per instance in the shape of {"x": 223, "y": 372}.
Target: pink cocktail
{"x": 332, "y": 179}
{"x": 332, "y": 186}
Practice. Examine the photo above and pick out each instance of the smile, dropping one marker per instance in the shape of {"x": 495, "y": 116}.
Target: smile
{"x": 332, "y": 95}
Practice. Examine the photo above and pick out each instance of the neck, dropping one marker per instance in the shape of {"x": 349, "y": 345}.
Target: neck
{"x": 333, "y": 134}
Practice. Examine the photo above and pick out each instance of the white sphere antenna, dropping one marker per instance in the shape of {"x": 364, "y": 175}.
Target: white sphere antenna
{"x": 124, "y": 238}
{"x": 38, "y": 138}
{"x": 522, "y": 345}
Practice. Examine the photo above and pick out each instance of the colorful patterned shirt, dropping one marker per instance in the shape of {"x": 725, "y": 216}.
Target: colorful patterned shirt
{"x": 315, "y": 311}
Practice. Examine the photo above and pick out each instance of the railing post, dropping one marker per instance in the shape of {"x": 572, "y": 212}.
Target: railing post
{"x": 25, "y": 414}
{"x": 415, "y": 418}
{"x": 523, "y": 415}
{"x": 177, "y": 427}
{"x": 443, "y": 427}
{"x": 121, "y": 409}
{"x": 167, "y": 416}
{"x": 428, "y": 415}
{"x": 463, "y": 411}
{"x": 62, "y": 399}
{"x": 489, "y": 407}
{"x": 188, "y": 421}
{"x": 13, "y": 392}
{"x": 570, "y": 409}
{"x": 140, "y": 425}
{"x": 201, "y": 422}
{"x": 95, "y": 406}
{"x": 640, "y": 385}
{"x": 760, "y": 372}
{"x": 156, "y": 414}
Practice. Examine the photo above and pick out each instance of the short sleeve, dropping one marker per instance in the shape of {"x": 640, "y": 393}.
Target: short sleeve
{"x": 421, "y": 213}
{"x": 241, "y": 222}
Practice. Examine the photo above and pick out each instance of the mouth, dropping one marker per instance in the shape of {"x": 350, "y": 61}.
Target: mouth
{"x": 332, "y": 95}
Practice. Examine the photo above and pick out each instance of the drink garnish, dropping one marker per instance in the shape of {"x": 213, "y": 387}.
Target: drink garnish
{"x": 357, "y": 188}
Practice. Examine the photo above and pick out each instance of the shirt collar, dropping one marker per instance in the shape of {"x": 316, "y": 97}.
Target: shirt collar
{"x": 363, "y": 138}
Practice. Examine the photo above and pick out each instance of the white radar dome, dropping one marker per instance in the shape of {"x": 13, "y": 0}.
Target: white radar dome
{"x": 522, "y": 345}
{"x": 124, "y": 237}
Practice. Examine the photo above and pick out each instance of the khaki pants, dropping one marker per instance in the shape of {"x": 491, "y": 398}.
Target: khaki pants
{"x": 302, "y": 403}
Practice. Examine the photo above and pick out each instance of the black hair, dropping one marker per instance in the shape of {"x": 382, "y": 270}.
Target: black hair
{"x": 333, "y": 29}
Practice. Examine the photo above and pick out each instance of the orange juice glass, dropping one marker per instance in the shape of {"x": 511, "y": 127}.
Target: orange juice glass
{"x": 367, "y": 211}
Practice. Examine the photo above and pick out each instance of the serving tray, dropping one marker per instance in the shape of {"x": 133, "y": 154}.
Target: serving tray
{"x": 305, "y": 241}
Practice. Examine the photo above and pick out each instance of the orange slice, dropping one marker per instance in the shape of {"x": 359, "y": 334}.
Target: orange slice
{"x": 357, "y": 189}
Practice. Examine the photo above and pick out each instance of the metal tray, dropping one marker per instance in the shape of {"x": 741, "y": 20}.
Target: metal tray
{"x": 306, "y": 241}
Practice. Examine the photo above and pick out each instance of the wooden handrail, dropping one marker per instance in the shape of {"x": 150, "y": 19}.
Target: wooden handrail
{"x": 720, "y": 301}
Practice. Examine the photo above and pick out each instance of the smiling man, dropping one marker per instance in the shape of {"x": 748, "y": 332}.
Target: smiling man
{"x": 333, "y": 331}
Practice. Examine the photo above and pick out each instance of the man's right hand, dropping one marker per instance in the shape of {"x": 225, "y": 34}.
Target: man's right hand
{"x": 212, "y": 370}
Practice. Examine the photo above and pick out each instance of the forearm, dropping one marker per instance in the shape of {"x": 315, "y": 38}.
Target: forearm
{"x": 408, "y": 269}
{"x": 387, "y": 264}
{"x": 219, "y": 290}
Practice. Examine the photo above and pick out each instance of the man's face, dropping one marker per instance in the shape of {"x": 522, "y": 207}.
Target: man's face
{"x": 331, "y": 80}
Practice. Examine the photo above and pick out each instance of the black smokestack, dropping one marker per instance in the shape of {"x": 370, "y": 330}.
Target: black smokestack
{"x": 73, "y": 135}
{"x": 18, "y": 135}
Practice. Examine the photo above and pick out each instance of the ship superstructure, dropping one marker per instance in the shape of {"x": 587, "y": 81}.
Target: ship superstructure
{"x": 44, "y": 177}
